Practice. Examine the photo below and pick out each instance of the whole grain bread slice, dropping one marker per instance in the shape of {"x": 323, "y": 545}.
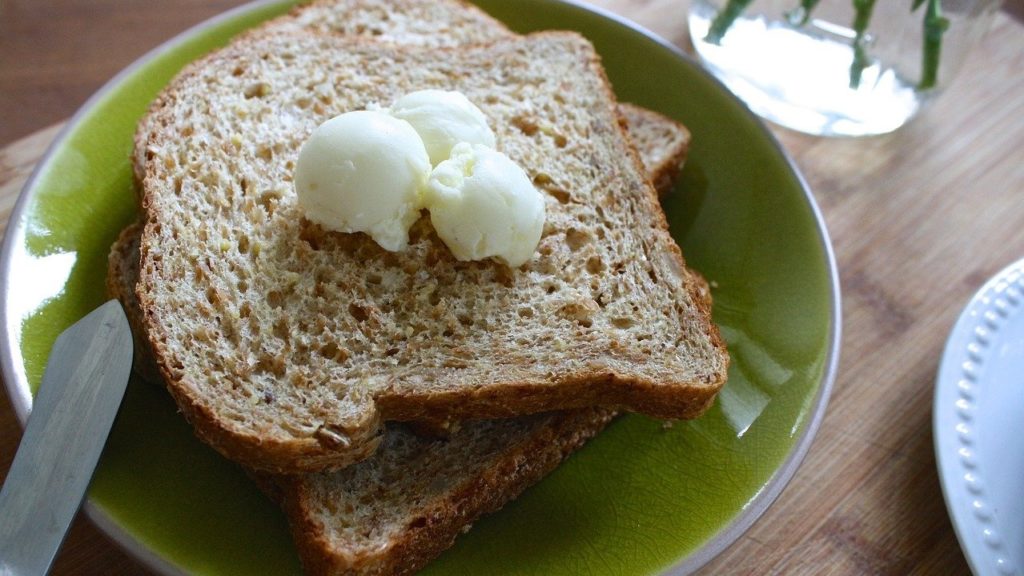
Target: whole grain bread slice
{"x": 286, "y": 345}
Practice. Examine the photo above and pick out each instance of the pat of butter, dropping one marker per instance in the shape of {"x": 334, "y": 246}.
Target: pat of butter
{"x": 370, "y": 171}
{"x": 443, "y": 118}
{"x": 364, "y": 171}
{"x": 482, "y": 205}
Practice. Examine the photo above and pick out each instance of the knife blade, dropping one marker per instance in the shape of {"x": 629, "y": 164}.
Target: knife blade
{"x": 72, "y": 413}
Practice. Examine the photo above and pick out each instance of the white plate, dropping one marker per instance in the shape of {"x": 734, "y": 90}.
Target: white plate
{"x": 979, "y": 425}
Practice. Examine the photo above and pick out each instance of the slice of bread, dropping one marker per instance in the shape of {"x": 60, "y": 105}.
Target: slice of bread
{"x": 286, "y": 345}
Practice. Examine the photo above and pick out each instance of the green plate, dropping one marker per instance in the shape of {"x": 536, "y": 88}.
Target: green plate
{"x": 641, "y": 498}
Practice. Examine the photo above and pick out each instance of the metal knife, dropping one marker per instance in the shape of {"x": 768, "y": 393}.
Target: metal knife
{"x": 72, "y": 414}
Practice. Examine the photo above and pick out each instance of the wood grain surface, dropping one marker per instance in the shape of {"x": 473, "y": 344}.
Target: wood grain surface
{"x": 919, "y": 219}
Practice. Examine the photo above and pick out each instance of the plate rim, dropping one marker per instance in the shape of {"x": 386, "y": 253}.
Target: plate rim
{"x": 948, "y": 414}
{"x": 21, "y": 399}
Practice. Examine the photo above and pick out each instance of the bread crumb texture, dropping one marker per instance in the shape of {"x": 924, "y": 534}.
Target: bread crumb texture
{"x": 278, "y": 332}
{"x": 408, "y": 22}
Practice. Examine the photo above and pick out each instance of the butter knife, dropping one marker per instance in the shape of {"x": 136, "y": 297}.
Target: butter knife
{"x": 72, "y": 413}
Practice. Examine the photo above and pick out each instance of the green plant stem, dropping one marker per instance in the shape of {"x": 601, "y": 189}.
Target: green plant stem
{"x": 800, "y": 15}
{"x": 935, "y": 25}
{"x": 862, "y": 18}
{"x": 724, "y": 19}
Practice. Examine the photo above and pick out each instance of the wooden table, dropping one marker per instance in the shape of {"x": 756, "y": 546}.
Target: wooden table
{"x": 919, "y": 219}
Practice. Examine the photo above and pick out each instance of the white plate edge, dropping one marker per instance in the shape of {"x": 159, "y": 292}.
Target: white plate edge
{"x": 975, "y": 528}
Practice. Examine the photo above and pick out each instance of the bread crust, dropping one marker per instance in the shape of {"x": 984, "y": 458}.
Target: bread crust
{"x": 661, "y": 142}
{"x": 581, "y": 390}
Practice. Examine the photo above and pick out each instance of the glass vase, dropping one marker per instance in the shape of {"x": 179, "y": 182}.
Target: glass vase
{"x": 837, "y": 67}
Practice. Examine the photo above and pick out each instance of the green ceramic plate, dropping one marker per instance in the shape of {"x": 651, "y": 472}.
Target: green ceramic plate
{"x": 641, "y": 498}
